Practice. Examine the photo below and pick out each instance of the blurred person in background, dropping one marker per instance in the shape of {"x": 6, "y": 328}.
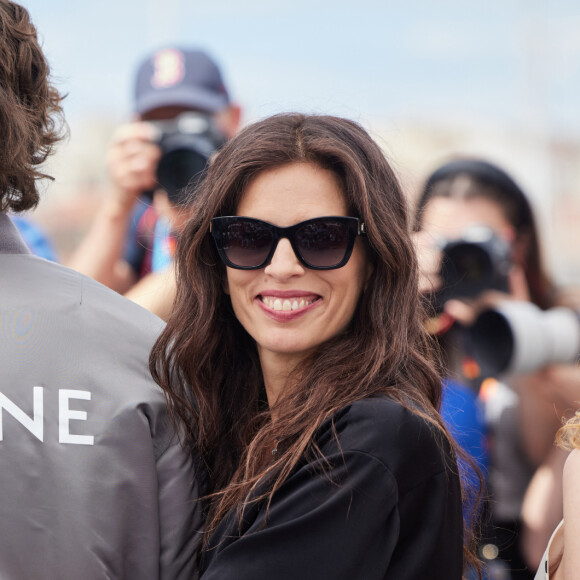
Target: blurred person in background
{"x": 183, "y": 114}
{"x": 93, "y": 479}
{"x": 472, "y": 202}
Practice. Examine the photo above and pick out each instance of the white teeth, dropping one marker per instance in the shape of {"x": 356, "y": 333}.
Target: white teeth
{"x": 286, "y": 305}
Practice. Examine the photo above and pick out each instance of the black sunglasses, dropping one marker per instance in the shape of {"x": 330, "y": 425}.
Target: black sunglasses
{"x": 323, "y": 243}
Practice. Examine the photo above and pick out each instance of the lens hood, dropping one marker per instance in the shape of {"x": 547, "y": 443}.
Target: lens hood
{"x": 518, "y": 337}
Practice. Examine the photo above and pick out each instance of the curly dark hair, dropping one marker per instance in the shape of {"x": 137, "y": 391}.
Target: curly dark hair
{"x": 31, "y": 117}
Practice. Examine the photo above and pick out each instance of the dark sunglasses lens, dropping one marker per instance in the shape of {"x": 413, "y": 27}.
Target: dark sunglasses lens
{"x": 246, "y": 243}
{"x": 323, "y": 243}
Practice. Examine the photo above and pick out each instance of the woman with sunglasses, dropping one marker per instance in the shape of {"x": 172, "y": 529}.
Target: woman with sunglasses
{"x": 296, "y": 360}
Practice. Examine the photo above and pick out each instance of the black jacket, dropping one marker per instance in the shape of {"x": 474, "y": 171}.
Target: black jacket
{"x": 389, "y": 508}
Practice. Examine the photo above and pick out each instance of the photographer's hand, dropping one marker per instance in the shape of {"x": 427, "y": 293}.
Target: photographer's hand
{"x": 465, "y": 311}
{"x": 132, "y": 162}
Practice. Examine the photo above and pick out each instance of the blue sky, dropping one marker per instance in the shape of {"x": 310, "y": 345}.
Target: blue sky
{"x": 509, "y": 62}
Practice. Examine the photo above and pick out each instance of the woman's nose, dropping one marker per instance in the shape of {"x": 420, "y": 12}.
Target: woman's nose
{"x": 284, "y": 263}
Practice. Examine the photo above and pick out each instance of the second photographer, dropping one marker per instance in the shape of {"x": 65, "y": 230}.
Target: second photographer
{"x": 479, "y": 245}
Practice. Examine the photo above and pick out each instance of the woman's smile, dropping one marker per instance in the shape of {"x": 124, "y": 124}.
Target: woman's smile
{"x": 287, "y": 305}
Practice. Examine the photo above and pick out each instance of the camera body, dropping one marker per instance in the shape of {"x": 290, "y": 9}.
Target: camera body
{"x": 187, "y": 143}
{"x": 518, "y": 337}
{"x": 479, "y": 260}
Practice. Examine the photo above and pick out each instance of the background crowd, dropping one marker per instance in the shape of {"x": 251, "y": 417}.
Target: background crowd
{"x": 427, "y": 81}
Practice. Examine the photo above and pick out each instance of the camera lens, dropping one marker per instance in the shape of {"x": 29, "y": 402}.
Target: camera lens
{"x": 473, "y": 263}
{"x": 187, "y": 142}
{"x": 468, "y": 264}
{"x": 493, "y": 342}
{"x": 175, "y": 170}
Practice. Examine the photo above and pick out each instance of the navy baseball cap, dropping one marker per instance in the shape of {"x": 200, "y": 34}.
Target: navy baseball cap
{"x": 180, "y": 77}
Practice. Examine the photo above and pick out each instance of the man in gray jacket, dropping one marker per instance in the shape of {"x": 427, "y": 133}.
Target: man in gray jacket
{"x": 93, "y": 481}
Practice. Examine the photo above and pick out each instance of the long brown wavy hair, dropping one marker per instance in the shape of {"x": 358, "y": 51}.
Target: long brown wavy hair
{"x": 31, "y": 119}
{"x": 208, "y": 365}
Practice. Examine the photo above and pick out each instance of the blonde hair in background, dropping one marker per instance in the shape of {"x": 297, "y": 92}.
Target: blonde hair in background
{"x": 568, "y": 436}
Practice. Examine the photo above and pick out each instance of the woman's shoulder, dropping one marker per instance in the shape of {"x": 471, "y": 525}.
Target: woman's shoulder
{"x": 384, "y": 416}
{"x": 377, "y": 409}
{"x": 404, "y": 440}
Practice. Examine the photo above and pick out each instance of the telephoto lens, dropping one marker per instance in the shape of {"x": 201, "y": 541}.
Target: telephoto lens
{"x": 518, "y": 338}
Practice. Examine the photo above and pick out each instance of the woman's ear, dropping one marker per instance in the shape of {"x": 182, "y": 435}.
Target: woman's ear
{"x": 226, "y": 286}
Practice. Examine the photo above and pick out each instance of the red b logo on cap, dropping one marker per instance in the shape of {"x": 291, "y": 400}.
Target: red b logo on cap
{"x": 168, "y": 68}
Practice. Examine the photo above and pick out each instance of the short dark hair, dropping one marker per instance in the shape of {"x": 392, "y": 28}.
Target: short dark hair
{"x": 31, "y": 117}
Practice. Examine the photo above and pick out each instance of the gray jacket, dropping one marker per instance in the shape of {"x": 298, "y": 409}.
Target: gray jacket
{"x": 93, "y": 483}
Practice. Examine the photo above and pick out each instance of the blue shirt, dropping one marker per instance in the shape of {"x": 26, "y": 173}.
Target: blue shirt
{"x": 36, "y": 240}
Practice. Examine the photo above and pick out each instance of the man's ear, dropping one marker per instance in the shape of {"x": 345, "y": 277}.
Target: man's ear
{"x": 229, "y": 120}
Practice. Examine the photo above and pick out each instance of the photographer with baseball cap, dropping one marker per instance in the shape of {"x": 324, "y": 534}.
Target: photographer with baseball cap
{"x": 183, "y": 113}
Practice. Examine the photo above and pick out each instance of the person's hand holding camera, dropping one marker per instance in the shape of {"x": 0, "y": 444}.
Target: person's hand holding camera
{"x": 466, "y": 310}
{"x": 469, "y": 273}
{"x": 132, "y": 162}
